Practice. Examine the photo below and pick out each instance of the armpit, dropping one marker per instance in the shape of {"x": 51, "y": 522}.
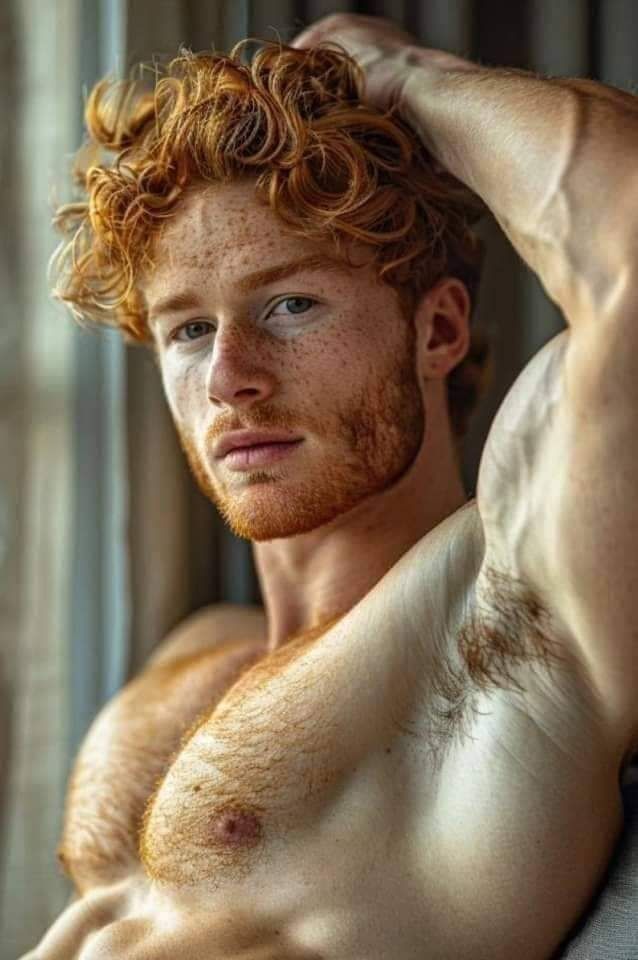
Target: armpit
{"x": 508, "y": 628}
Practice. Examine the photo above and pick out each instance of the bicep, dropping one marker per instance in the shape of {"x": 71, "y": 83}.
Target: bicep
{"x": 593, "y": 520}
{"x": 556, "y": 497}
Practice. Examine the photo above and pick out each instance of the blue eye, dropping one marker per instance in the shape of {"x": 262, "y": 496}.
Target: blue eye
{"x": 187, "y": 326}
{"x": 295, "y": 305}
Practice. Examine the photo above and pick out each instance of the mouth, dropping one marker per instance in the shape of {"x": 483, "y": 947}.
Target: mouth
{"x": 259, "y": 454}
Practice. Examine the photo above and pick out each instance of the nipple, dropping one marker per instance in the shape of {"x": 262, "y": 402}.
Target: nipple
{"x": 236, "y": 826}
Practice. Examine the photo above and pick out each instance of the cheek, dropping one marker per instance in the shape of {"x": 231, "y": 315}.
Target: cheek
{"x": 359, "y": 348}
{"x": 366, "y": 353}
{"x": 180, "y": 389}
{"x": 320, "y": 372}
{"x": 332, "y": 354}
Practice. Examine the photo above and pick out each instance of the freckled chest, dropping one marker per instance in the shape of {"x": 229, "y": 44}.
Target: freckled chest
{"x": 268, "y": 764}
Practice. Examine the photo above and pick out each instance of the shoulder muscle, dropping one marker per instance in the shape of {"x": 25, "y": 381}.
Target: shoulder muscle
{"x": 135, "y": 736}
{"x": 208, "y": 628}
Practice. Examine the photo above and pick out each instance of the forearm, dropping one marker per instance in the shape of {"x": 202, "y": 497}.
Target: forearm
{"x": 554, "y": 160}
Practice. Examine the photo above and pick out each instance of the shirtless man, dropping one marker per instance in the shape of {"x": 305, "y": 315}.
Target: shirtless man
{"x": 414, "y": 751}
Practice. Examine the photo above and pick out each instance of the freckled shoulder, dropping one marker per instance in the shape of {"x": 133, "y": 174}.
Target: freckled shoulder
{"x": 208, "y": 628}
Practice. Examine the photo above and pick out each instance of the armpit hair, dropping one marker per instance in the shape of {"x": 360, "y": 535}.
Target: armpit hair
{"x": 505, "y": 628}
{"x": 508, "y": 626}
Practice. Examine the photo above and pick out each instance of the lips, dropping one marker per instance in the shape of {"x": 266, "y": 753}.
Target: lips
{"x": 259, "y": 455}
{"x": 239, "y": 439}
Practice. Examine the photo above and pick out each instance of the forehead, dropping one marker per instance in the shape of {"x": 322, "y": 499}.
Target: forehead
{"x": 221, "y": 233}
{"x": 217, "y": 225}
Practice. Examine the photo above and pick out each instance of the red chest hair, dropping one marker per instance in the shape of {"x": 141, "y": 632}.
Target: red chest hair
{"x": 127, "y": 752}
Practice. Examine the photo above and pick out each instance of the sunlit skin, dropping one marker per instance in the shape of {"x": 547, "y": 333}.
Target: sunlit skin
{"x": 329, "y": 355}
{"x": 473, "y": 713}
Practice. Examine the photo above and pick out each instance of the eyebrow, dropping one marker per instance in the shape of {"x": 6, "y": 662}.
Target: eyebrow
{"x": 187, "y": 299}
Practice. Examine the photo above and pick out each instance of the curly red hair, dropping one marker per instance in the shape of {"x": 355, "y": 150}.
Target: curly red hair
{"x": 329, "y": 164}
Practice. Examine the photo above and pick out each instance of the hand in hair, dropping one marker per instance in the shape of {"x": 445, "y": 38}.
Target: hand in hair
{"x": 384, "y": 51}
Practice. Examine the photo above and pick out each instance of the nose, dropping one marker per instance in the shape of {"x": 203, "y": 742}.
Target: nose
{"x": 238, "y": 375}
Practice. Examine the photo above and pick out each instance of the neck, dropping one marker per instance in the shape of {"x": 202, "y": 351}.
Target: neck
{"x": 313, "y": 579}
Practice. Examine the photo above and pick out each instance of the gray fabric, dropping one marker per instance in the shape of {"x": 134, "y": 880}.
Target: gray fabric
{"x": 609, "y": 928}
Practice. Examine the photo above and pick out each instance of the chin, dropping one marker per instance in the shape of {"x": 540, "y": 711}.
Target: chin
{"x": 275, "y": 505}
{"x": 274, "y": 515}
{"x": 266, "y": 511}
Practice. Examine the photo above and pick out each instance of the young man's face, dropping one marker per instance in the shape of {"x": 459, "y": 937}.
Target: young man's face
{"x": 323, "y": 354}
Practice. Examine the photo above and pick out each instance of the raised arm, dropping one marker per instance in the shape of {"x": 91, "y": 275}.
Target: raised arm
{"x": 553, "y": 159}
{"x": 556, "y": 162}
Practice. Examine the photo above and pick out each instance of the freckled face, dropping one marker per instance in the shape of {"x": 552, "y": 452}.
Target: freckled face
{"x": 325, "y": 354}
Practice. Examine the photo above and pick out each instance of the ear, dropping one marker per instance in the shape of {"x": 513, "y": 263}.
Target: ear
{"x": 442, "y": 324}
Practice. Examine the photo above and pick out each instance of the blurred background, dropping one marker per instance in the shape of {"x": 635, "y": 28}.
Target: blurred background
{"x": 105, "y": 541}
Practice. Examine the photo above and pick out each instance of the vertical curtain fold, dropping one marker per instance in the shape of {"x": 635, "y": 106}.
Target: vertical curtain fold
{"x": 100, "y": 608}
{"x": 37, "y": 440}
{"x": 618, "y": 43}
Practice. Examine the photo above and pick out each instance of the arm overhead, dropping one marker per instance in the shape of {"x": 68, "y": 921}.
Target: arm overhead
{"x": 555, "y": 160}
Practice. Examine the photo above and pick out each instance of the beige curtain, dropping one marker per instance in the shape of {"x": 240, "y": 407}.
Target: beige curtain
{"x": 39, "y": 54}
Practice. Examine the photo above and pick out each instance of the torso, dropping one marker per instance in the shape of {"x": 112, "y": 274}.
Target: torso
{"x": 381, "y": 789}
